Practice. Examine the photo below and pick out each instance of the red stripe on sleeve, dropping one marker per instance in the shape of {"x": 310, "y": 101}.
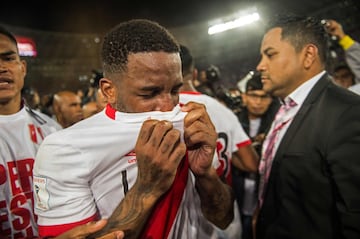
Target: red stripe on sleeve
{"x": 56, "y": 230}
{"x": 244, "y": 143}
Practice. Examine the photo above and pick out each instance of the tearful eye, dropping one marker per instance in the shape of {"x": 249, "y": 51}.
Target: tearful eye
{"x": 150, "y": 94}
{"x": 175, "y": 92}
{"x": 176, "y": 89}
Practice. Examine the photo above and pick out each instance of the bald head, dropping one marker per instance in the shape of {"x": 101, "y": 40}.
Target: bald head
{"x": 67, "y": 108}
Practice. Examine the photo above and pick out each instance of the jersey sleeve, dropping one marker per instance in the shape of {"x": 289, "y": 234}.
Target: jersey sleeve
{"x": 62, "y": 195}
{"x": 240, "y": 137}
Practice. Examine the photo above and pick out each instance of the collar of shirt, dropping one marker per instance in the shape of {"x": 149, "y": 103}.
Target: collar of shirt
{"x": 300, "y": 93}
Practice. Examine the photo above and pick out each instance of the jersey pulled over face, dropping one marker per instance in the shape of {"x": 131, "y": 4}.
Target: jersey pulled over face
{"x": 151, "y": 83}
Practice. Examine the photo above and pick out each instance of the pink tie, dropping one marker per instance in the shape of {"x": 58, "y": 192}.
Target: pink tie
{"x": 267, "y": 158}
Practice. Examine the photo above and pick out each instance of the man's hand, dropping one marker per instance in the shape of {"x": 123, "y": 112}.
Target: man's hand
{"x": 83, "y": 231}
{"x": 159, "y": 152}
{"x": 200, "y": 138}
{"x": 335, "y": 29}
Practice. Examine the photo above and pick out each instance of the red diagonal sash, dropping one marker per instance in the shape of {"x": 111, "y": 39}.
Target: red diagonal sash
{"x": 162, "y": 218}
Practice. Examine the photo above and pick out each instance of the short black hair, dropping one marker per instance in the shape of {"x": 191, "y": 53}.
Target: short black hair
{"x": 7, "y": 33}
{"x": 187, "y": 60}
{"x": 342, "y": 66}
{"x": 134, "y": 36}
{"x": 302, "y": 30}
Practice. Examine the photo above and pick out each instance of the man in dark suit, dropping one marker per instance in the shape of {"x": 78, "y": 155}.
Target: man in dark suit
{"x": 310, "y": 173}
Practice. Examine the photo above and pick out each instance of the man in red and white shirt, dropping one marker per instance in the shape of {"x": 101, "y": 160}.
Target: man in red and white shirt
{"x": 21, "y": 132}
{"x": 143, "y": 160}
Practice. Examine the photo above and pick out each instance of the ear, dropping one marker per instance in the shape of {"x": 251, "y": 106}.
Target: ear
{"x": 310, "y": 55}
{"x": 108, "y": 89}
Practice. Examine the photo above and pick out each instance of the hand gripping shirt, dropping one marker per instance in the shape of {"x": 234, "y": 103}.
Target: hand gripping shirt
{"x": 231, "y": 136}
{"x": 83, "y": 172}
{"x": 20, "y": 136}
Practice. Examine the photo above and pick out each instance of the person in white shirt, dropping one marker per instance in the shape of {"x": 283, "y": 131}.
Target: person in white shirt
{"x": 22, "y": 130}
{"x": 144, "y": 161}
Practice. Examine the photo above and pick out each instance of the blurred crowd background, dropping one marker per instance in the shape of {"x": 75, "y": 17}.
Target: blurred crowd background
{"x": 66, "y": 51}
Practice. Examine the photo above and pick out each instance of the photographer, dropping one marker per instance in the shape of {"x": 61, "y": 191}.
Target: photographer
{"x": 90, "y": 92}
{"x": 351, "y": 47}
{"x": 231, "y": 98}
{"x": 207, "y": 79}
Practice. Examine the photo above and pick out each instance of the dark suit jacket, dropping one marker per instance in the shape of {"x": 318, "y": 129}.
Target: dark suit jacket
{"x": 314, "y": 186}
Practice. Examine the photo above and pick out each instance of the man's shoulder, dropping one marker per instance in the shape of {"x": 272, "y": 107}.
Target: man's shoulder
{"x": 42, "y": 120}
{"x": 209, "y": 101}
{"x": 338, "y": 95}
{"x": 335, "y": 103}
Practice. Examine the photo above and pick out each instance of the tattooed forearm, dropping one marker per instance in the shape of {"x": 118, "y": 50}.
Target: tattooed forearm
{"x": 132, "y": 214}
{"x": 216, "y": 201}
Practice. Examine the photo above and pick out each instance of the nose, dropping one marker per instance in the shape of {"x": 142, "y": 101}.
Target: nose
{"x": 165, "y": 103}
{"x": 2, "y": 67}
{"x": 79, "y": 108}
{"x": 261, "y": 66}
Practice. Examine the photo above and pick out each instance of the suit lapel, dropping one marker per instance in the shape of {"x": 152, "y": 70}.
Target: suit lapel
{"x": 297, "y": 122}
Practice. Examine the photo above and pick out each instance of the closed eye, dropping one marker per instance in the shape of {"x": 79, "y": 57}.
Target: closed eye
{"x": 270, "y": 52}
{"x": 148, "y": 94}
{"x": 176, "y": 89}
{"x": 270, "y": 55}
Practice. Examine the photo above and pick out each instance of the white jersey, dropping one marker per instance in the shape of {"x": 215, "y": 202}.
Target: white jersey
{"x": 20, "y": 136}
{"x": 83, "y": 172}
{"x": 231, "y": 136}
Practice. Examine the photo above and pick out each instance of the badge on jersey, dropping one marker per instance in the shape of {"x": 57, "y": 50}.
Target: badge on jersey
{"x": 41, "y": 195}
